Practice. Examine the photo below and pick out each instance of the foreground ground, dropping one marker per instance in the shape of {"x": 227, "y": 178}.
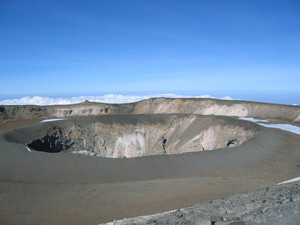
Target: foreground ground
{"x": 276, "y": 205}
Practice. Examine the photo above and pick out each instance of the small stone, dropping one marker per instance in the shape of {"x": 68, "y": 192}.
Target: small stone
{"x": 179, "y": 214}
{"x": 237, "y": 223}
{"x": 151, "y": 221}
{"x": 201, "y": 221}
{"x": 224, "y": 218}
{"x": 221, "y": 211}
{"x": 264, "y": 210}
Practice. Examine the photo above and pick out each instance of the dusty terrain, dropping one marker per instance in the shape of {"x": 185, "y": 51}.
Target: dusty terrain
{"x": 168, "y": 162}
{"x": 276, "y": 205}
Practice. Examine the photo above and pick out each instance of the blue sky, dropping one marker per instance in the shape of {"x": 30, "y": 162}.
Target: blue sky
{"x": 79, "y": 47}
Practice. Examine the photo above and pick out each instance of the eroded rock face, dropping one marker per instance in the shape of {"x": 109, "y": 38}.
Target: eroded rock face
{"x": 157, "y": 106}
{"x": 174, "y": 135}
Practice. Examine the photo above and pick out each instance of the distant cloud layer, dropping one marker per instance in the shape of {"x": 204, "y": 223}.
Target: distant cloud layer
{"x": 111, "y": 98}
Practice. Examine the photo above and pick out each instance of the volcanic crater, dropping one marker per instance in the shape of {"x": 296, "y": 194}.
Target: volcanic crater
{"x": 129, "y": 136}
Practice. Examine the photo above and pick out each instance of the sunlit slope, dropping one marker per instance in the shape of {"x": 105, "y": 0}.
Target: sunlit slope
{"x": 157, "y": 106}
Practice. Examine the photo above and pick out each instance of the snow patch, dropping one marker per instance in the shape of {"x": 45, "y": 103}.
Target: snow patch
{"x": 254, "y": 120}
{"x": 28, "y": 149}
{"x": 50, "y": 120}
{"x": 265, "y": 123}
{"x": 289, "y": 181}
{"x": 287, "y": 127}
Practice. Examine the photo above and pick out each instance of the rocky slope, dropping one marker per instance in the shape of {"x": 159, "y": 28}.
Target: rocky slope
{"x": 157, "y": 106}
{"x": 276, "y": 205}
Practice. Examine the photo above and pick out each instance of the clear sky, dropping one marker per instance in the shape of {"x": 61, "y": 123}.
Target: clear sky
{"x": 107, "y": 46}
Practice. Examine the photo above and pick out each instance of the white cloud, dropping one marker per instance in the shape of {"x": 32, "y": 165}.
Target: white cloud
{"x": 227, "y": 98}
{"x": 111, "y": 98}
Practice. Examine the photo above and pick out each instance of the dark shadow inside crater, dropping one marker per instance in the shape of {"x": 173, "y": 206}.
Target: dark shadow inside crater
{"x": 53, "y": 142}
{"x": 46, "y": 144}
{"x": 231, "y": 143}
{"x": 49, "y": 144}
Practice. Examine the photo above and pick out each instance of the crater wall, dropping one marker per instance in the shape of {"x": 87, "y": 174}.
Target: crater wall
{"x": 158, "y": 106}
{"x": 143, "y": 135}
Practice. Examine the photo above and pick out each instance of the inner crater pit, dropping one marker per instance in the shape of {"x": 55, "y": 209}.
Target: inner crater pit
{"x": 143, "y": 135}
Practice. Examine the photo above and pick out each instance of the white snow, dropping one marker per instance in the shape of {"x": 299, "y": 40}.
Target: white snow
{"x": 287, "y": 127}
{"x": 265, "y": 123}
{"x": 50, "y": 120}
{"x": 111, "y": 98}
{"x": 254, "y": 120}
{"x": 28, "y": 149}
{"x": 289, "y": 181}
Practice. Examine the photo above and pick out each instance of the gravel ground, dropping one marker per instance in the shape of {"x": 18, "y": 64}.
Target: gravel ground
{"x": 279, "y": 204}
